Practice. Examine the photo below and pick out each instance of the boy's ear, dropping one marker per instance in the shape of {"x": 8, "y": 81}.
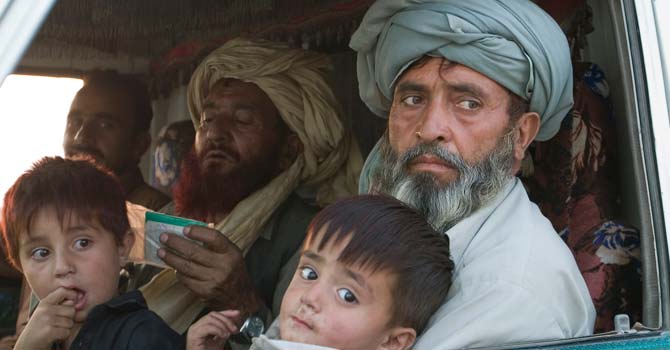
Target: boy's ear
{"x": 399, "y": 338}
{"x": 125, "y": 247}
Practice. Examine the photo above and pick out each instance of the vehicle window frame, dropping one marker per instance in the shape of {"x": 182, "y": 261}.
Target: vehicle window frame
{"x": 19, "y": 22}
{"x": 639, "y": 51}
{"x": 653, "y": 108}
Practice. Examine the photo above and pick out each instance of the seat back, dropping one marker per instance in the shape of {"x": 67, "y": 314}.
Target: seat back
{"x": 572, "y": 178}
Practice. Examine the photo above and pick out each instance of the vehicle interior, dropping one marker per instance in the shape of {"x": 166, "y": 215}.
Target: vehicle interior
{"x": 597, "y": 180}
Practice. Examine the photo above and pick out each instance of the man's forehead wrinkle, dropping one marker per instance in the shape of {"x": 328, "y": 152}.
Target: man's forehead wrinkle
{"x": 245, "y": 92}
{"x": 218, "y": 105}
{"x": 231, "y": 87}
{"x": 467, "y": 80}
{"x": 447, "y": 64}
{"x": 216, "y": 101}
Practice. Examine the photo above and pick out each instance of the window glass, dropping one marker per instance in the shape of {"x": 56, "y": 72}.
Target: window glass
{"x": 33, "y": 111}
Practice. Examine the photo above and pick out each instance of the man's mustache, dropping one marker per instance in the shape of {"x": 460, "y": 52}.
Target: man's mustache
{"x": 228, "y": 151}
{"x": 433, "y": 149}
{"x": 84, "y": 150}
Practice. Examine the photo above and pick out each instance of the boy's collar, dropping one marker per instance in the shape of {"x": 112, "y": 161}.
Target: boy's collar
{"x": 130, "y": 300}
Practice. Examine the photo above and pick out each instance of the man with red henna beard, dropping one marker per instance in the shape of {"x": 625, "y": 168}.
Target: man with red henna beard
{"x": 241, "y": 145}
{"x": 267, "y": 124}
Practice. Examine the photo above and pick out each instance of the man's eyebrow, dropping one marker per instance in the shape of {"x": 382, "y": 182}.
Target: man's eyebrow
{"x": 358, "y": 278}
{"x": 246, "y": 107}
{"x": 467, "y": 88}
{"x": 409, "y": 86}
{"x": 105, "y": 116}
{"x": 98, "y": 115}
{"x": 210, "y": 105}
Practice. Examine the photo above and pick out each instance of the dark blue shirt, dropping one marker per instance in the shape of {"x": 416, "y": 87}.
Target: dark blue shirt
{"x": 125, "y": 323}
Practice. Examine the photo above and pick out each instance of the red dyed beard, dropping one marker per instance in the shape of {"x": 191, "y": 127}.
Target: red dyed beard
{"x": 203, "y": 195}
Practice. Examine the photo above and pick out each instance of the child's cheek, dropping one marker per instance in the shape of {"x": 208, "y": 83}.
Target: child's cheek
{"x": 37, "y": 279}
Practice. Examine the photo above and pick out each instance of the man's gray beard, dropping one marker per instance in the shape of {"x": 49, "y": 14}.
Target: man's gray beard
{"x": 444, "y": 205}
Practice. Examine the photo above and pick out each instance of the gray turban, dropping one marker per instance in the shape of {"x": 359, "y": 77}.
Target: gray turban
{"x": 513, "y": 42}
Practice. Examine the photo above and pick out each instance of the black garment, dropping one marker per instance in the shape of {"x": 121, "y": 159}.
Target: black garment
{"x": 280, "y": 240}
{"x": 125, "y": 323}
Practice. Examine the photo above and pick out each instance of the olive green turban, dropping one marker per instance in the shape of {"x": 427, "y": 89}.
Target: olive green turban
{"x": 513, "y": 42}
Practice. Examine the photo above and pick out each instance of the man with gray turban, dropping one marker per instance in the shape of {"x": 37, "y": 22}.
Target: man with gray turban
{"x": 466, "y": 86}
{"x": 267, "y": 124}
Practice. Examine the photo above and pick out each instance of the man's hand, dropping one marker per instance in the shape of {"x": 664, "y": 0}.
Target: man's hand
{"x": 212, "y": 330}
{"x": 52, "y": 321}
{"x": 215, "y": 272}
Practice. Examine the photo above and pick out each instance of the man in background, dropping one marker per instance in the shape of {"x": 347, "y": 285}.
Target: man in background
{"x": 267, "y": 127}
{"x": 109, "y": 119}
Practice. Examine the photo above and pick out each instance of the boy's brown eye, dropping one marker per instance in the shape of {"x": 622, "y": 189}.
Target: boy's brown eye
{"x": 347, "y": 295}
{"x": 39, "y": 253}
{"x": 308, "y": 273}
{"x": 82, "y": 243}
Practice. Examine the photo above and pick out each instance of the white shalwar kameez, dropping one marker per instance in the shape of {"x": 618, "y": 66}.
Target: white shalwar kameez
{"x": 515, "y": 280}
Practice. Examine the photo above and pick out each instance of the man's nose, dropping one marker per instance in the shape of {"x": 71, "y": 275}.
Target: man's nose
{"x": 435, "y": 123}
{"x": 64, "y": 265}
{"x": 219, "y": 129}
{"x": 84, "y": 133}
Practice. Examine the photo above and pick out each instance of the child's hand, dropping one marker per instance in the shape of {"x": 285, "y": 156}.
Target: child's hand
{"x": 212, "y": 330}
{"x": 52, "y": 321}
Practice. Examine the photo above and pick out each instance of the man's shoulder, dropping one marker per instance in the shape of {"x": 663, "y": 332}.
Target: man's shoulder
{"x": 522, "y": 245}
{"x": 291, "y": 218}
{"x": 516, "y": 245}
{"x": 509, "y": 230}
{"x": 148, "y": 197}
{"x": 516, "y": 259}
{"x": 296, "y": 207}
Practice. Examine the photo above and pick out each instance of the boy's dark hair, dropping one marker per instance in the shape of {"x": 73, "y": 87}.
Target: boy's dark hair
{"x": 70, "y": 186}
{"x": 134, "y": 89}
{"x": 388, "y": 235}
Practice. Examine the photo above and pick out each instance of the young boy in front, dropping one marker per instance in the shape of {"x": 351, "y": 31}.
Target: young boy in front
{"x": 371, "y": 273}
{"x": 65, "y": 228}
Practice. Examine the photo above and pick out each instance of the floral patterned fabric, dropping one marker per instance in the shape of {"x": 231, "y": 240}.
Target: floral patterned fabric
{"x": 174, "y": 142}
{"x": 572, "y": 179}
